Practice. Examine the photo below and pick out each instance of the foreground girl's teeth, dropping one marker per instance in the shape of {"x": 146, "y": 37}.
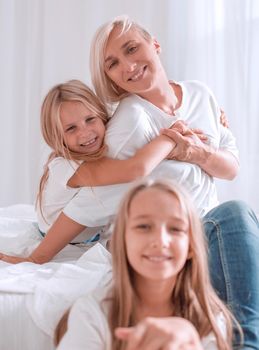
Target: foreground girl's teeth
{"x": 158, "y": 258}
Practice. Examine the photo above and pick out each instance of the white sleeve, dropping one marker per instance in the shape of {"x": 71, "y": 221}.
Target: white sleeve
{"x": 89, "y": 206}
{"x": 209, "y": 342}
{"x": 129, "y": 129}
{"x": 227, "y": 140}
{"x": 87, "y": 327}
{"x": 95, "y": 206}
{"x": 56, "y": 193}
{"x": 61, "y": 170}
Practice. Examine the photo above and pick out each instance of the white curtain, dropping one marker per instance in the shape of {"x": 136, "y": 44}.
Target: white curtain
{"x": 44, "y": 42}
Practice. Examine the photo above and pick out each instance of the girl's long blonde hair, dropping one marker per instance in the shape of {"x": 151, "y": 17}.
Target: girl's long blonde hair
{"x": 193, "y": 296}
{"x": 51, "y": 127}
{"x": 108, "y": 91}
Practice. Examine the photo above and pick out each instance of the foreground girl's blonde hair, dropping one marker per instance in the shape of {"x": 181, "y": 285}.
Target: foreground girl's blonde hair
{"x": 51, "y": 127}
{"x": 105, "y": 88}
{"x": 193, "y": 296}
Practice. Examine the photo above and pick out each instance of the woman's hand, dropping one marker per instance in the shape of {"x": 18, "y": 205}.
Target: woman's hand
{"x": 181, "y": 127}
{"x": 14, "y": 259}
{"x": 189, "y": 146}
{"x": 192, "y": 149}
{"x": 170, "y": 333}
{"x": 224, "y": 119}
{"x": 190, "y": 143}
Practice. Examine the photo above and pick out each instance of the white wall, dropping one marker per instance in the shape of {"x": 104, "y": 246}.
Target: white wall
{"x": 44, "y": 42}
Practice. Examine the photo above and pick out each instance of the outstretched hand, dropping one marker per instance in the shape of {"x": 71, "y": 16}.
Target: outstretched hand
{"x": 170, "y": 333}
{"x": 13, "y": 259}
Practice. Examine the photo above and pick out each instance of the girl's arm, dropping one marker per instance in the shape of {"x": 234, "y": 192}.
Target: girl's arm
{"x": 108, "y": 171}
{"x": 59, "y": 235}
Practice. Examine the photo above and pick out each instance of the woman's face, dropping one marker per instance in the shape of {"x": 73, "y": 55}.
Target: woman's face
{"x": 131, "y": 61}
{"x": 83, "y": 131}
{"x": 157, "y": 235}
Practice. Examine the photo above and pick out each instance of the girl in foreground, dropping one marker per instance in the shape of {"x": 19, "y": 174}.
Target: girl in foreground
{"x": 73, "y": 122}
{"x": 161, "y": 296}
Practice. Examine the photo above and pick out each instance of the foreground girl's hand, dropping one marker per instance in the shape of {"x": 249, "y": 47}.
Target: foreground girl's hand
{"x": 170, "y": 333}
{"x": 13, "y": 259}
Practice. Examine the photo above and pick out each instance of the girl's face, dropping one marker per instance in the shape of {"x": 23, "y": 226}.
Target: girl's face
{"x": 83, "y": 131}
{"x": 156, "y": 237}
{"x": 131, "y": 61}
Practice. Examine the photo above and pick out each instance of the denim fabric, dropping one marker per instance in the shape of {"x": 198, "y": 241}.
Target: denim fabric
{"x": 42, "y": 233}
{"x": 232, "y": 232}
{"x": 93, "y": 239}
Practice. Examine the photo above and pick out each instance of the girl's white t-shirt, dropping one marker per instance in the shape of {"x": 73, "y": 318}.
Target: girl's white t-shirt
{"x": 57, "y": 195}
{"x": 88, "y": 326}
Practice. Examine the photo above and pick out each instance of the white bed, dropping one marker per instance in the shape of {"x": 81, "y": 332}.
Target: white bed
{"x": 33, "y": 297}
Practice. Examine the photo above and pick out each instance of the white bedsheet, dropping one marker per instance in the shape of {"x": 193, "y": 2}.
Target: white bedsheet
{"x": 34, "y": 297}
{"x": 19, "y": 234}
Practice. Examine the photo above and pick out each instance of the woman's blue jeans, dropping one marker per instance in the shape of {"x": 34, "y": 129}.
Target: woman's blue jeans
{"x": 232, "y": 232}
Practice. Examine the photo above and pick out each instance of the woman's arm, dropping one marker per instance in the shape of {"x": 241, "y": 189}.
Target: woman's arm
{"x": 59, "y": 235}
{"x": 107, "y": 171}
{"x": 218, "y": 163}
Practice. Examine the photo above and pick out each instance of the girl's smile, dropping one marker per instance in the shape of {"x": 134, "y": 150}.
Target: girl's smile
{"x": 157, "y": 237}
{"x": 83, "y": 131}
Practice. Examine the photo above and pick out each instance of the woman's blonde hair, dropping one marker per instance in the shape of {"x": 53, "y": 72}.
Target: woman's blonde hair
{"x": 51, "y": 127}
{"x": 193, "y": 296}
{"x": 105, "y": 88}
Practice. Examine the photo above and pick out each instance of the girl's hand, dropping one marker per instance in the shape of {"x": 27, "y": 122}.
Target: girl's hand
{"x": 13, "y": 259}
{"x": 170, "y": 333}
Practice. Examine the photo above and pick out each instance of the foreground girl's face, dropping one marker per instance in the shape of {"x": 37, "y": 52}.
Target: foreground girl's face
{"x": 131, "y": 61}
{"x": 83, "y": 131}
{"x": 157, "y": 238}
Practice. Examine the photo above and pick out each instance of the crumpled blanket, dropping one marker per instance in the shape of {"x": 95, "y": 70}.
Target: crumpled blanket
{"x": 50, "y": 288}
{"x": 19, "y": 233}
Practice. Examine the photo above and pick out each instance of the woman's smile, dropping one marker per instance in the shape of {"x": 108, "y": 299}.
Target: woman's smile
{"x": 138, "y": 74}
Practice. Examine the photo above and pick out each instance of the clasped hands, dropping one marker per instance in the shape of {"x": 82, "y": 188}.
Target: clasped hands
{"x": 190, "y": 143}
